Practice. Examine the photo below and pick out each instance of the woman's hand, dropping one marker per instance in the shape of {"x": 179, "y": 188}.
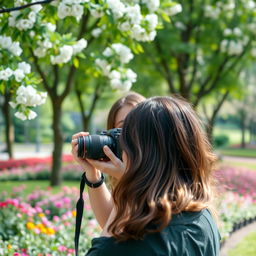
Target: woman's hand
{"x": 92, "y": 174}
{"x": 115, "y": 167}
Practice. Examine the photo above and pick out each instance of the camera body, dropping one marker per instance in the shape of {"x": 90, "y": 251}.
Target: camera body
{"x": 91, "y": 146}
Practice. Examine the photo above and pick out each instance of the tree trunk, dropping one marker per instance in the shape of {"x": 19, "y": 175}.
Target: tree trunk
{"x": 243, "y": 117}
{"x": 9, "y": 129}
{"x": 209, "y": 130}
{"x": 57, "y": 142}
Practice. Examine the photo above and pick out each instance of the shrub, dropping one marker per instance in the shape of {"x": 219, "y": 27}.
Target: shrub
{"x": 220, "y": 140}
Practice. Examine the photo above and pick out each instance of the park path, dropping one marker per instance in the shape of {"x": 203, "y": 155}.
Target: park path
{"x": 236, "y": 237}
{"x": 239, "y": 159}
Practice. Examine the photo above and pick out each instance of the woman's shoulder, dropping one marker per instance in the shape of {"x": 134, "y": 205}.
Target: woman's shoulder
{"x": 109, "y": 246}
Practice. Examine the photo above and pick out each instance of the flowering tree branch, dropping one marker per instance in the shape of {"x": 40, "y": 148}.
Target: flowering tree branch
{"x": 24, "y": 6}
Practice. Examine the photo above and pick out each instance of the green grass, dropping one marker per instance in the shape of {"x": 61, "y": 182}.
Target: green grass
{"x": 246, "y": 152}
{"x": 251, "y": 166}
{"x": 247, "y": 247}
{"x": 233, "y": 134}
{"x": 33, "y": 185}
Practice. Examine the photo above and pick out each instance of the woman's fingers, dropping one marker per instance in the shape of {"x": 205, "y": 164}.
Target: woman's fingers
{"x": 75, "y": 136}
{"x": 111, "y": 156}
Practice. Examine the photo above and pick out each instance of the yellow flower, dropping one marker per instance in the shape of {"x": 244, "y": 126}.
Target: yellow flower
{"x": 9, "y": 246}
{"x": 41, "y": 215}
{"x": 50, "y": 231}
{"x": 40, "y": 226}
{"x": 30, "y": 225}
{"x": 74, "y": 213}
{"x": 43, "y": 230}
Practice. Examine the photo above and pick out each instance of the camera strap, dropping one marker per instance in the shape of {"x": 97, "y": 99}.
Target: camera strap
{"x": 79, "y": 213}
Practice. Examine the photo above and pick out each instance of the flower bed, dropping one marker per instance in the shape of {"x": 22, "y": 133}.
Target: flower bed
{"x": 69, "y": 171}
{"x": 43, "y": 224}
{"x": 16, "y": 163}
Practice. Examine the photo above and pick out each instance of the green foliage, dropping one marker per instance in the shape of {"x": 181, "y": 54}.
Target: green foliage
{"x": 220, "y": 140}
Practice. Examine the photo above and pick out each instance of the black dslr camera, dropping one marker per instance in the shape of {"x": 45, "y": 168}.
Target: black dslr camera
{"x": 91, "y": 146}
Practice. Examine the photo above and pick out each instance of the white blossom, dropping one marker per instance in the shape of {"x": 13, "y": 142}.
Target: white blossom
{"x": 19, "y": 74}
{"x": 104, "y": 66}
{"x": 173, "y": 10}
{"x": 5, "y": 74}
{"x": 15, "y": 49}
{"x": 65, "y": 55}
{"x": 64, "y": 11}
{"x": 133, "y": 13}
{"x": 77, "y": 11}
{"x": 96, "y": 13}
{"x": 31, "y": 114}
{"x": 96, "y": 32}
{"x": 40, "y": 52}
{"x": 51, "y": 27}
{"x": 21, "y": 116}
{"x": 152, "y": 5}
{"x": 79, "y": 46}
{"x": 25, "y": 67}
{"x": 123, "y": 51}
{"x": 116, "y": 7}
{"x": 152, "y": 20}
{"x": 125, "y": 26}
{"x": 5, "y": 42}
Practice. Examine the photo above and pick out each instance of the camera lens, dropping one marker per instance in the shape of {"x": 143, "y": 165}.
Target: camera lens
{"x": 92, "y": 146}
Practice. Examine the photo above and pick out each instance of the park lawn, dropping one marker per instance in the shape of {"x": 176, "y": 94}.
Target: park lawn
{"x": 247, "y": 247}
{"x": 233, "y": 134}
{"x": 32, "y": 185}
{"x": 242, "y": 152}
{"x": 251, "y": 166}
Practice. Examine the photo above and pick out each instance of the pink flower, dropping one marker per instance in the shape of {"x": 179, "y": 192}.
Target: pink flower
{"x": 62, "y": 248}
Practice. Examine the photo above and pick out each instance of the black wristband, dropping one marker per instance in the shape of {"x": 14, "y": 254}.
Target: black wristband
{"x": 94, "y": 185}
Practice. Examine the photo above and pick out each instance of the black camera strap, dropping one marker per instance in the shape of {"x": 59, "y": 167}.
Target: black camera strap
{"x": 79, "y": 213}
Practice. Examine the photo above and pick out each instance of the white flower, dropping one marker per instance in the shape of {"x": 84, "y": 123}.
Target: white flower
{"x": 32, "y": 33}
{"x": 115, "y": 83}
{"x": 12, "y": 104}
{"x": 25, "y": 67}
{"x": 131, "y": 76}
{"x": 4, "y": 75}
{"x": 117, "y": 8}
{"x": 77, "y": 11}
{"x": 64, "y": 10}
{"x": 152, "y": 20}
{"x": 32, "y": 16}
{"x": 152, "y": 5}
{"x": 104, "y": 66}
{"x": 253, "y": 52}
{"x": 9, "y": 72}
{"x": 123, "y": 51}
{"x": 237, "y": 31}
{"x": 125, "y": 26}
{"x": 108, "y": 52}
{"x": 12, "y": 18}
{"x": 19, "y": 75}
{"x": 24, "y": 24}
{"x": 114, "y": 75}
{"x": 227, "y": 32}
{"x": 96, "y": 32}
{"x": 133, "y": 13}
{"x": 15, "y": 49}
{"x": 5, "y": 42}
{"x": 177, "y": 8}
{"x": 37, "y": 7}
{"x": 65, "y": 55}
{"x": 21, "y": 116}
{"x": 79, "y": 46}
{"x": 96, "y": 13}
{"x": 40, "y": 52}
{"x": 126, "y": 86}
{"x": 32, "y": 115}
{"x": 51, "y": 27}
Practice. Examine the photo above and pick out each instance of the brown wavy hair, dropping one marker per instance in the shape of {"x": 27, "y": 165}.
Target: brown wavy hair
{"x": 169, "y": 167}
{"x": 132, "y": 99}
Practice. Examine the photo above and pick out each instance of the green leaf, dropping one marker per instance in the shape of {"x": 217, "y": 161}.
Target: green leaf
{"x": 76, "y": 62}
{"x": 165, "y": 17}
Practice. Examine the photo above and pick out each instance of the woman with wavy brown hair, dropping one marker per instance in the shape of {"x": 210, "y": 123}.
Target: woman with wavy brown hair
{"x": 161, "y": 204}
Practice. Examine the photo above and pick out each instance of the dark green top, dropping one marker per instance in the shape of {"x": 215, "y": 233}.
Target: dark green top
{"x": 188, "y": 234}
